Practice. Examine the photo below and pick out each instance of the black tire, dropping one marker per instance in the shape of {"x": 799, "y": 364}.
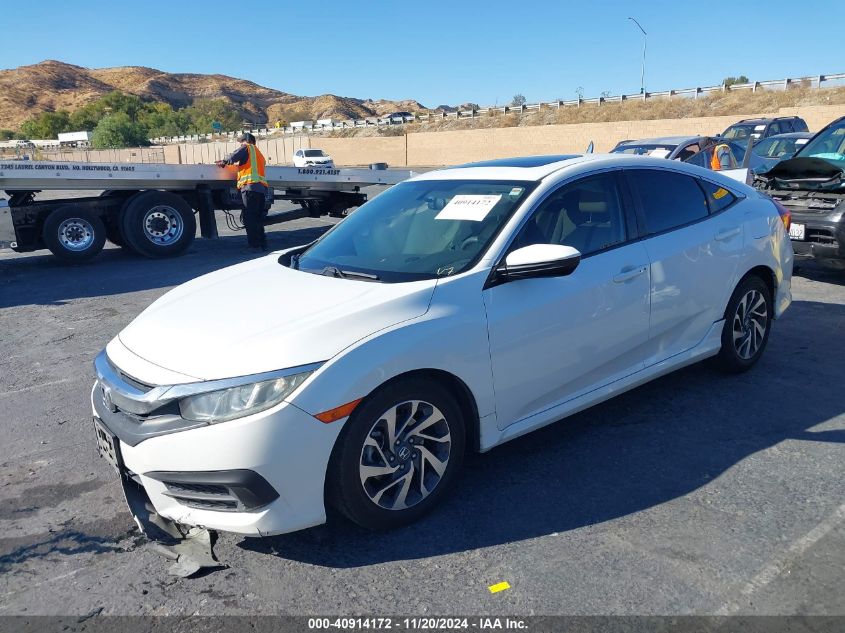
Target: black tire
{"x": 112, "y": 221}
{"x": 113, "y": 233}
{"x": 740, "y": 335}
{"x": 157, "y": 224}
{"x": 313, "y": 207}
{"x": 74, "y": 234}
{"x": 346, "y": 491}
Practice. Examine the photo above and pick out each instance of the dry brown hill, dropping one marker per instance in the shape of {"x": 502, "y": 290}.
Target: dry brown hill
{"x": 52, "y": 85}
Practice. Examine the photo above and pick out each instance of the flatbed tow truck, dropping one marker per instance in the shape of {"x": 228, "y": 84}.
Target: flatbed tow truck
{"x": 150, "y": 208}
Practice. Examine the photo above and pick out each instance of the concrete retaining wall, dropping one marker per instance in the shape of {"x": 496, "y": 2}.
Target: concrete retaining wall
{"x": 449, "y": 148}
{"x": 453, "y": 147}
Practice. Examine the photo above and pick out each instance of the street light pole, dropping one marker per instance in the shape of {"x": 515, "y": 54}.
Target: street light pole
{"x": 645, "y": 39}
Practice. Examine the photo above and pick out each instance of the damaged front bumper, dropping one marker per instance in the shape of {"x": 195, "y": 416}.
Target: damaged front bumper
{"x": 259, "y": 475}
{"x": 811, "y": 189}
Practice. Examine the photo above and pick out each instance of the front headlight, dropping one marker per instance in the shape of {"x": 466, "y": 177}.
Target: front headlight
{"x": 237, "y": 402}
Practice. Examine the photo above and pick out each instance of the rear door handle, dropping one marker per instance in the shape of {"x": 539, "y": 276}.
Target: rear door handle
{"x": 628, "y": 273}
{"x": 726, "y": 234}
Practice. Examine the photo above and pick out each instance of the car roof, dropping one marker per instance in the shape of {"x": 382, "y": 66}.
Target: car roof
{"x": 806, "y": 135}
{"x": 763, "y": 120}
{"x": 506, "y": 170}
{"x": 523, "y": 168}
{"x": 662, "y": 140}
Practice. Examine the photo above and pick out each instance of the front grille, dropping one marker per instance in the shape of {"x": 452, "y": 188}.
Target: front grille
{"x": 211, "y": 489}
{"x": 140, "y": 386}
{"x": 236, "y": 490}
{"x": 212, "y": 504}
{"x": 820, "y": 236}
{"x": 810, "y": 203}
{"x": 203, "y": 496}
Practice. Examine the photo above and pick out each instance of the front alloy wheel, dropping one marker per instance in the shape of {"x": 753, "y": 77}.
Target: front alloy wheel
{"x": 405, "y": 455}
{"x": 397, "y": 454}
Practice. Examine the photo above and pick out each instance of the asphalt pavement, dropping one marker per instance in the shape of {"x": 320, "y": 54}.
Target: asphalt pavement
{"x": 698, "y": 493}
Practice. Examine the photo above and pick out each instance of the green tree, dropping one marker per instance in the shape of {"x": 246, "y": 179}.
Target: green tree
{"x": 119, "y": 120}
{"x": 118, "y": 130}
{"x": 46, "y": 125}
{"x": 86, "y": 118}
{"x": 730, "y": 81}
{"x": 116, "y": 101}
{"x": 6, "y": 135}
{"x": 160, "y": 119}
{"x": 203, "y": 112}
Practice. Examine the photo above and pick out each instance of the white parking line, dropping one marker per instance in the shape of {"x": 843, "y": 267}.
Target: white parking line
{"x": 38, "y": 584}
{"x": 38, "y": 386}
{"x": 778, "y": 564}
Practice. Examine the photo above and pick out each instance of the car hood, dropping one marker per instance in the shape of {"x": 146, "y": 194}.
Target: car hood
{"x": 805, "y": 173}
{"x": 261, "y": 316}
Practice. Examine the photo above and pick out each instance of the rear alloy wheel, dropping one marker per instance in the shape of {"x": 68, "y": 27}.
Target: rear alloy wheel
{"x": 74, "y": 234}
{"x": 397, "y": 455}
{"x": 158, "y": 224}
{"x": 748, "y": 321}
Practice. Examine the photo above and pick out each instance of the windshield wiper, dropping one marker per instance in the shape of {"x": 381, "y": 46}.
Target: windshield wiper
{"x": 334, "y": 271}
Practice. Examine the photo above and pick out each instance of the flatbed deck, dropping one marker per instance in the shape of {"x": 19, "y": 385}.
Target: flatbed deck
{"x": 26, "y": 175}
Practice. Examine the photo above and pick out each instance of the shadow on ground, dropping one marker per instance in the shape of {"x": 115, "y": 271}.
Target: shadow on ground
{"x": 642, "y": 449}
{"x": 40, "y": 279}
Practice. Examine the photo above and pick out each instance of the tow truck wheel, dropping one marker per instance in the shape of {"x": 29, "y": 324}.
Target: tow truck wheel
{"x": 158, "y": 224}
{"x": 113, "y": 234}
{"x": 313, "y": 208}
{"x": 74, "y": 234}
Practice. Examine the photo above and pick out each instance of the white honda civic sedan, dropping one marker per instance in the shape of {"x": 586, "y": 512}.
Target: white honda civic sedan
{"x": 456, "y": 311}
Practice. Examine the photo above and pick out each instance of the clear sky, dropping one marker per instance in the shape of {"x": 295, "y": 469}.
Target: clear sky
{"x": 481, "y": 51}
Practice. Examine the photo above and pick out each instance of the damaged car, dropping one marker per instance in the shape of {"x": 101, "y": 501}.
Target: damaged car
{"x": 454, "y": 312}
{"x": 811, "y": 185}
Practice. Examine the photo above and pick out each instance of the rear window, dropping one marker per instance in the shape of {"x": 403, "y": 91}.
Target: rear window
{"x": 668, "y": 199}
{"x": 718, "y": 197}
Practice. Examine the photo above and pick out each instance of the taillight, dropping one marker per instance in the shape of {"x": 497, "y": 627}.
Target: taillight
{"x": 784, "y": 213}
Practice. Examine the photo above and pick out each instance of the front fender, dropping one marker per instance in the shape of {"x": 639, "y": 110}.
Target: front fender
{"x": 451, "y": 337}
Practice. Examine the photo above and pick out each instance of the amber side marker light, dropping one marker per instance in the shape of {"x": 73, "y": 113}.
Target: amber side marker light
{"x": 785, "y": 214}
{"x": 338, "y": 413}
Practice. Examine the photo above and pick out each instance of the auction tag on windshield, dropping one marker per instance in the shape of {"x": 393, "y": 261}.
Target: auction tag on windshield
{"x": 468, "y": 207}
{"x": 759, "y": 127}
{"x": 659, "y": 153}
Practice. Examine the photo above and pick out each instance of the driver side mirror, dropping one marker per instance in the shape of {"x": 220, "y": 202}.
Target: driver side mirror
{"x": 537, "y": 260}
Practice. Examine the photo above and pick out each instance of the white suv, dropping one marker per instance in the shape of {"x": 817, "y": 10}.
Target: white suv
{"x": 456, "y": 311}
{"x": 312, "y": 158}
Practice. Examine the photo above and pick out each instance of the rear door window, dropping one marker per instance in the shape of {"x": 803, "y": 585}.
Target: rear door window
{"x": 718, "y": 198}
{"x": 667, "y": 199}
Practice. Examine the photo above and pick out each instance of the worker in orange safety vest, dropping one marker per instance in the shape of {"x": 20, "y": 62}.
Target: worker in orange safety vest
{"x": 252, "y": 184}
{"x": 722, "y": 158}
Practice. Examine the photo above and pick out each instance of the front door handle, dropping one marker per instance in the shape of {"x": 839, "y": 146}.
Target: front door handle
{"x": 726, "y": 234}
{"x": 628, "y": 273}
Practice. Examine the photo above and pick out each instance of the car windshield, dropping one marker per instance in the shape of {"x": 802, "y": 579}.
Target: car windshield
{"x": 416, "y": 230}
{"x": 774, "y": 147}
{"x": 645, "y": 149}
{"x": 313, "y": 152}
{"x": 744, "y": 130}
{"x": 828, "y": 144}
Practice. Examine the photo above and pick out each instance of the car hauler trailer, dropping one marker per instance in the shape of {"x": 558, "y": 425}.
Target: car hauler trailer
{"x": 149, "y": 208}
